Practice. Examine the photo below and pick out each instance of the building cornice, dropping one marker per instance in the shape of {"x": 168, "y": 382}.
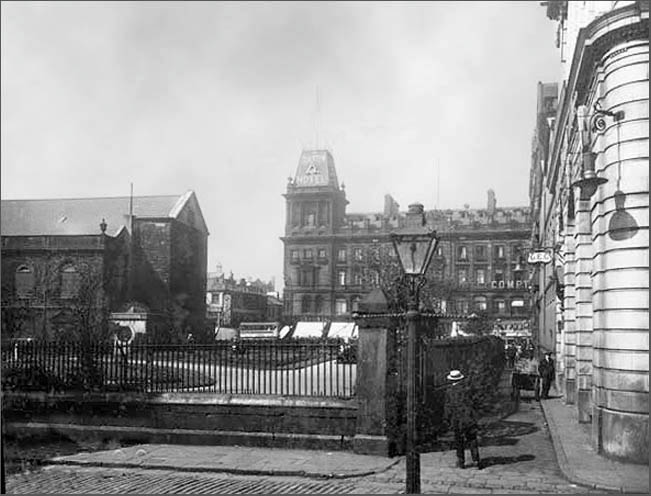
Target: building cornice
{"x": 618, "y": 26}
{"x": 628, "y": 23}
{"x": 474, "y": 235}
{"x": 86, "y": 242}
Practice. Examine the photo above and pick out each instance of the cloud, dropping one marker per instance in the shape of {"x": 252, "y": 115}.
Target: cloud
{"x": 220, "y": 97}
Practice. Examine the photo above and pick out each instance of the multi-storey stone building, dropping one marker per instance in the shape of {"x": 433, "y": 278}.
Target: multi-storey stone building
{"x": 592, "y": 206}
{"x": 546, "y": 305}
{"x": 231, "y": 302}
{"x": 333, "y": 259}
{"x": 140, "y": 261}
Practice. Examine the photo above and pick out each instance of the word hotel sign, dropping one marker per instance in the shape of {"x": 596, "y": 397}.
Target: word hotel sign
{"x": 509, "y": 284}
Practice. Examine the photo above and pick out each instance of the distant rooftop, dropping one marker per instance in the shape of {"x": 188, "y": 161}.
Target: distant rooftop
{"x": 82, "y": 216}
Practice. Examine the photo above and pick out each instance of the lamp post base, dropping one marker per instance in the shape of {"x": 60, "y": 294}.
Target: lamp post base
{"x": 413, "y": 473}
{"x": 413, "y": 457}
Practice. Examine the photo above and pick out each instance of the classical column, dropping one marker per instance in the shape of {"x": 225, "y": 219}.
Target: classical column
{"x": 569, "y": 318}
{"x": 620, "y": 222}
{"x": 583, "y": 320}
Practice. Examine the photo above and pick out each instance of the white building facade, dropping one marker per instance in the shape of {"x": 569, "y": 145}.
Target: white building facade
{"x": 593, "y": 204}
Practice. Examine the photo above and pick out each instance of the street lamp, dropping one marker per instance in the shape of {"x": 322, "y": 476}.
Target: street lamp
{"x": 414, "y": 245}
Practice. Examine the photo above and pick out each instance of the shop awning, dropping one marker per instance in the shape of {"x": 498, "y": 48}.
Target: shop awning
{"x": 308, "y": 330}
{"x": 344, "y": 330}
{"x": 225, "y": 333}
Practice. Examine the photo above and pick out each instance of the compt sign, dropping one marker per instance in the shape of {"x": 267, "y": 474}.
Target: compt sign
{"x": 539, "y": 257}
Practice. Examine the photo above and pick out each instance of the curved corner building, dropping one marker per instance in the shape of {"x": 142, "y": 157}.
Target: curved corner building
{"x": 593, "y": 199}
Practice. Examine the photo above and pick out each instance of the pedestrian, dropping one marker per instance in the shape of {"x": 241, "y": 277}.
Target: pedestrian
{"x": 462, "y": 418}
{"x": 510, "y": 355}
{"x": 547, "y": 372}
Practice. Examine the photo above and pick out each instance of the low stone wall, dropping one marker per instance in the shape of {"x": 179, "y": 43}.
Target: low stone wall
{"x": 194, "y": 418}
{"x": 371, "y": 423}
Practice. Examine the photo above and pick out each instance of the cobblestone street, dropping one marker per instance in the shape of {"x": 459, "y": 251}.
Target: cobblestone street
{"x": 517, "y": 452}
{"x": 58, "y": 479}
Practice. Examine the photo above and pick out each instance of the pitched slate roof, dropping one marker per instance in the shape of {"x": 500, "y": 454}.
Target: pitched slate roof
{"x": 79, "y": 216}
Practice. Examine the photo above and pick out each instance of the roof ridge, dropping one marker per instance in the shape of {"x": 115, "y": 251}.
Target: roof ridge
{"x": 92, "y": 198}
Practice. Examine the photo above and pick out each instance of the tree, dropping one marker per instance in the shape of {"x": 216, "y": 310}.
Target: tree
{"x": 177, "y": 317}
{"x": 436, "y": 288}
{"x": 479, "y": 324}
{"x": 84, "y": 317}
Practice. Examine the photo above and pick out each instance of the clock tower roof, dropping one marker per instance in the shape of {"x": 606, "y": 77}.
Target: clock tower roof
{"x": 316, "y": 169}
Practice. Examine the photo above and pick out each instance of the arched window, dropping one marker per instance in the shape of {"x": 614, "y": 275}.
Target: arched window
{"x": 356, "y": 300}
{"x": 24, "y": 281}
{"x": 69, "y": 281}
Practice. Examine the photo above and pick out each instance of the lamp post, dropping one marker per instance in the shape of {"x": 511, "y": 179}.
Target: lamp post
{"x": 414, "y": 246}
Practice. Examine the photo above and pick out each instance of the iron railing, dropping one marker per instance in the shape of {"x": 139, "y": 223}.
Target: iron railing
{"x": 310, "y": 368}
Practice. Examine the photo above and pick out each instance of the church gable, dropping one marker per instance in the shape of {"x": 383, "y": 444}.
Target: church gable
{"x": 188, "y": 212}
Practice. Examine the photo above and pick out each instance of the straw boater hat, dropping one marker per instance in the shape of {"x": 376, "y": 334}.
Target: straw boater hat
{"x": 455, "y": 375}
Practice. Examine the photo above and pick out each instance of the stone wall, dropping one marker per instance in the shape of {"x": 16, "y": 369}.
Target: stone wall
{"x": 186, "y": 418}
{"x": 188, "y": 272}
{"x": 620, "y": 267}
{"x": 45, "y": 312}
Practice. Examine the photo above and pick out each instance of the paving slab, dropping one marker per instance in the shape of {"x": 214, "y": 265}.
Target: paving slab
{"x": 234, "y": 459}
{"x": 579, "y": 461}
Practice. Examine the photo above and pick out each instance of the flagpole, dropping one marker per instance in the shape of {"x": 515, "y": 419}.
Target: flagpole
{"x": 131, "y": 236}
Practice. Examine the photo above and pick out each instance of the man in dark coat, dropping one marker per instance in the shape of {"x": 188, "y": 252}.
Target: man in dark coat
{"x": 510, "y": 355}
{"x": 462, "y": 418}
{"x": 547, "y": 372}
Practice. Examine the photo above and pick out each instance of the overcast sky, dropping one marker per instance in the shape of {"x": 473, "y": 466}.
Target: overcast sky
{"x": 221, "y": 98}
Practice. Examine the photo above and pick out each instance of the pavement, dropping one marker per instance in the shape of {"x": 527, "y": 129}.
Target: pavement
{"x": 235, "y": 460}
{"x": 579, "y": 461}
{"x": 517, "y": 453}
{"x": 540, "y": 448}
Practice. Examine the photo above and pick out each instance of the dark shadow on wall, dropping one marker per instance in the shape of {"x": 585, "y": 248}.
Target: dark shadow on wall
{"x": 622, "y": 225}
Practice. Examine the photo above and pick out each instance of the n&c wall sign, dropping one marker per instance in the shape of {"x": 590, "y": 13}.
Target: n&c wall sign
{"x": 539, "y": 257}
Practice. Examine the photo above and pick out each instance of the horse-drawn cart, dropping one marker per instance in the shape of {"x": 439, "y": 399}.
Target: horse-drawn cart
{"x": 525, "y": 377}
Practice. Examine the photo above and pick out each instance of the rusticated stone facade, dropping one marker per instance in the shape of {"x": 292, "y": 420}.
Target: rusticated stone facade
{"x": 596, "y": 210}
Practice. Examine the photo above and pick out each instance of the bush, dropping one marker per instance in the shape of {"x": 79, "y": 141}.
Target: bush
{"x": 31, "y": 379}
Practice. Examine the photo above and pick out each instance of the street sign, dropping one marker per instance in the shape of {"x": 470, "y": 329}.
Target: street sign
{"x": 539, "y": 256}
